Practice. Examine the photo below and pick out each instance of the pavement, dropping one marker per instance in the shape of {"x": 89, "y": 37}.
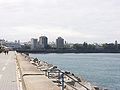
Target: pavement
{"x": 8, "y": 78}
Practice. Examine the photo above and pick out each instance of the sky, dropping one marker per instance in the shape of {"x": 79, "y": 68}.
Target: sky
{"x": 92, "y": 21}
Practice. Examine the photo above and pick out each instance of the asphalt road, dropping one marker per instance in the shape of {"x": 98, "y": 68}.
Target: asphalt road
{"x": 8, "y": 79}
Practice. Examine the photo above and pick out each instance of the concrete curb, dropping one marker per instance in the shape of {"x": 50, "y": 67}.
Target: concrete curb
{"x": 20, "y": 74}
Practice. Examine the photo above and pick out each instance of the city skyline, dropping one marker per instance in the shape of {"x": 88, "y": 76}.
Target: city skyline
{"x": 37, "y": 40}
{"x": 53, "y": 41}
{"x": 76, "y": 21}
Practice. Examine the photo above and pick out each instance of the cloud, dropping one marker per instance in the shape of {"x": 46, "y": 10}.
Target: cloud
{"x": 53, "y": 31}
{"x": 75, "y": 20}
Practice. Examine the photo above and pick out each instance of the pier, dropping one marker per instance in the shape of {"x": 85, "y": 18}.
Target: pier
{"x": 21, "y": 72}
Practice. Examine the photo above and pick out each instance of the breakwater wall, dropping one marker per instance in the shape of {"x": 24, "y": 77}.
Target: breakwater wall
{"x": 67, "y": 51}
{"x": 39, "y": 75}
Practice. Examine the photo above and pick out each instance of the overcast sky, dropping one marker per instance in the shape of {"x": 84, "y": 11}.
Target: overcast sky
{"x": 74, "y": 20}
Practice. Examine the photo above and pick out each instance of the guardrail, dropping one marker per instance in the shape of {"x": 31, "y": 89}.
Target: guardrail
{"x": 61, "y": 75}
{"x": 51, "y": 70}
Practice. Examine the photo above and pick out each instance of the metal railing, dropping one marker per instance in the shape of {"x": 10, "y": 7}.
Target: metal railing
{"x": 61, "y": 74}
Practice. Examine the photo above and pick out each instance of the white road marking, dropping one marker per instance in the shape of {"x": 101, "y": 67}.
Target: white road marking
{"x": 0, "y": 76}
{"x": 3, "y": 68}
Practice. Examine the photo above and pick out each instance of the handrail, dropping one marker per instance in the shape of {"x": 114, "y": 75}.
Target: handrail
{"x": 30, "y": 74}
{"x": 62, "y": 76}
{"x": 70, "y": 78}
{"x": 77, "y": 81}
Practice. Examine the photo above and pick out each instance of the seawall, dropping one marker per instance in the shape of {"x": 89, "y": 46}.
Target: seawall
{"x": 39, "y": 75}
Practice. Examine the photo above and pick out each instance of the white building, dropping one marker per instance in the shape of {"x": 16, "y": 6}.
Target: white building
{"x": 43, "y": 42}
{"x": 13, "y": 45}
{"x": 2, "y": 42}
{"x": 60, "y": 43}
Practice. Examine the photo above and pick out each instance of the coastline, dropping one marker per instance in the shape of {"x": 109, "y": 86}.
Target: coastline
{"x": 70, "y": 78}
{"x": 101, "y": 69}
{"x": 67, "y": 51}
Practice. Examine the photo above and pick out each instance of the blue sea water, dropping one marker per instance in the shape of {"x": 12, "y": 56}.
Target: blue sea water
{"x": 101, "y": 69}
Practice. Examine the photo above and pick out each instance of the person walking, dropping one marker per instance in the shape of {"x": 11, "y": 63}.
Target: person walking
{"x": 7, "y": 52}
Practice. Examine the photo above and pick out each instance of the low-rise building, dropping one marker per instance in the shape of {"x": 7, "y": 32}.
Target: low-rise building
{"x": 13, "y": 45}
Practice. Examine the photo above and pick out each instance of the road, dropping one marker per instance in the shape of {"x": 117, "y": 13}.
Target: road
{"x": 8, "y": 79}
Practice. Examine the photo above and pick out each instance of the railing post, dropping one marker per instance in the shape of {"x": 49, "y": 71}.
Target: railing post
{"x": 48, "y": 74}
{"x": 59, "y": 74}
{"x": 62, "y": 77}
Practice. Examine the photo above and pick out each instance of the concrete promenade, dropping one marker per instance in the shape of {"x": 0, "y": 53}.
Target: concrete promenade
{"x": 32, "y": 78}
{"x": 8, "y": 79}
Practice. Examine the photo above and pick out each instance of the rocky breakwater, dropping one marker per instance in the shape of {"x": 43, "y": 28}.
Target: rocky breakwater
{"x": 39, "y": 75}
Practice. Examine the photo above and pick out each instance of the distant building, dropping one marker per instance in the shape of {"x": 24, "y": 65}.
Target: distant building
{"x": 2, "y": 42}
{"x": 68, "y": 45}
{"x": 13, "y": 45}
{"x": 19, "y": 41}
{"x": 16, "y": 41}
{"x": 60, "y": 43}
{"x": 116, "y": 44}
{"x": 43, "y": 42}
{"x": 34, "y": 44}
{"x": 52, "y": 44}
{"x": 98, "y": 47}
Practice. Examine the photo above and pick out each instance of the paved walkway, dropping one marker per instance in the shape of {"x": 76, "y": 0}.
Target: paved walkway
{"x": 8, "y": 79}
{"x": 34, "y": 79}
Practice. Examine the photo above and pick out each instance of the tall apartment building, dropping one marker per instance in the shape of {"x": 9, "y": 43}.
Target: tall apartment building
{"x": 60, "y": 43}
{"x": 34, "y": 44}
{"x": 43, "y": 42}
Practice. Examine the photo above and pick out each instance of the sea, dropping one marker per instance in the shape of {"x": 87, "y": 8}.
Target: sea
{"x": 102, "y": 69}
